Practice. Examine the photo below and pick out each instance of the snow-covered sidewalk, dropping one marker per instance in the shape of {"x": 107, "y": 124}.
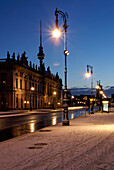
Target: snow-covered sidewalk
{"x": 87, "y": 144}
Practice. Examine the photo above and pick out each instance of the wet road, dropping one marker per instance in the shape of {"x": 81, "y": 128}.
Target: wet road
{"x": 11, "y": 127}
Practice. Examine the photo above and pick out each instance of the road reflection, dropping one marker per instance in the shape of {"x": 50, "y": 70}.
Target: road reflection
{"x": 31, "y": 123}
{"x": 72, "y": 116}
{"x": 32, "y": 127}
{"x": 54, "y": 120}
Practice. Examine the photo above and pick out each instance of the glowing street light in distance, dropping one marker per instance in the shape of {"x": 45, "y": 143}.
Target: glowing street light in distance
{"x": 54, "y": 93}
{"x": 87, "y": 75}
{"x": 97, "y": 87}
{"x": 101, "y": 92}
{"x": 25, "y": 101}
{"x": 72, "y": 97}
{"x": 32, "y": 88}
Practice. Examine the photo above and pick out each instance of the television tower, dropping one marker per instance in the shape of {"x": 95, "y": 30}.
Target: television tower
{"x": 40, "y": 54}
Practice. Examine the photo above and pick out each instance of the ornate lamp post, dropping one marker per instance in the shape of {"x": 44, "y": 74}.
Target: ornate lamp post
{"x": 54, "y": 99}
{"x": 98, "y": 95}
{"x": 31, "y": 90}
{"x": 56, "y": 33}
{"x": 88, "y": 75}
{"x": 72, "y": 100}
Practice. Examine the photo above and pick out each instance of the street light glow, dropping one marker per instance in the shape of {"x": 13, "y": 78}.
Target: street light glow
{"x": 97, "y": 87}
{"x": 32, "y": 88}
{"x": 66, "y": 52}
{"x": 25, "y": 101}
{"x": 101, "y": 92}
{"x": 54, "y": 93}
{"x": 56, "y": 33}
{"x": 87, "y": 75}
{"x": 72, "y": 97}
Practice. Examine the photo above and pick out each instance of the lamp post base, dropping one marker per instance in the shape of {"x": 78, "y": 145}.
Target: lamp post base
{"x": 65, "y": 123}
{"x": 92, "y": 112}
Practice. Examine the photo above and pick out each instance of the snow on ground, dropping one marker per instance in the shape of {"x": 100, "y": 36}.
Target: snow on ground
{"x": 87, "y": 144}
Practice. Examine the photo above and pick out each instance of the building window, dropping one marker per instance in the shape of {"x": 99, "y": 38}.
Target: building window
{"x": 17, "y": 101}
{"x": 38, "y": 87}
{"x": 20, "y": 83}
{"x": 25, "y": 103}
{"x": 32, "y": 84}
{"x": 36, "y": 101}
{"x": 3, "y": 82}
{"x": 47, "y": 89}
{"x": 35, "y": 87}
{"x": 21, "y": 103}
{"x": 25, "y": 85}
{"x": 33, "y": 102}
{"x": 29, "y": 85}
{"x": 17, "y": 83}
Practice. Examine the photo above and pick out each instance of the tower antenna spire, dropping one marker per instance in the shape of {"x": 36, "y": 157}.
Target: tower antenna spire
{"x": 40, "y": 54}
{"x": 40, "y": 33}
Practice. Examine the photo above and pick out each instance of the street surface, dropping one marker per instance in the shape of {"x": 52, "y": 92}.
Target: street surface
{"x": 19, "y": 124}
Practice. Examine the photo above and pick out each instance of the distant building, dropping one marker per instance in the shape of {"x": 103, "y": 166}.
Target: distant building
{"x": 24, "y": 86}
{"x": 17, "y": 80}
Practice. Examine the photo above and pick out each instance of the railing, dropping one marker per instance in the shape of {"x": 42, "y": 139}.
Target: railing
{"x": 3, "y": 60}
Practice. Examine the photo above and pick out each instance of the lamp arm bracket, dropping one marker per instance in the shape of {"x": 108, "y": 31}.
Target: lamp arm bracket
{"x": 63, "y": 15}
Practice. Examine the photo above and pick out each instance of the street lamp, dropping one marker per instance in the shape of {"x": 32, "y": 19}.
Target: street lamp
{"x": 56, "y": 33}
{"x": 72, "y": 99}
{"x": 31, "y": 90}
{"x": 54, "y": 95}
{"x": 26, "y": 102}
{"x": 98, "y": 95}
{"x": 88, "y": 74}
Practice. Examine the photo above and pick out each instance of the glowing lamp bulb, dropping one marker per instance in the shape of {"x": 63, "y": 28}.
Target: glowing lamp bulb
{"x": 87, "y": 75}
{"x": 97, "y": 87}
{"x": 101, "y": 92}
{"x": 54, "y": 93}
{"x": 56, "y": 33}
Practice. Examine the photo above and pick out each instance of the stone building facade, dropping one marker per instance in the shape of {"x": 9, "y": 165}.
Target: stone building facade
{"x": 26, "y": 86}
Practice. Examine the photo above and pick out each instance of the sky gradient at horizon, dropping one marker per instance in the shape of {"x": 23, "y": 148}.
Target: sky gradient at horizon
{"x": 90, "y": 36}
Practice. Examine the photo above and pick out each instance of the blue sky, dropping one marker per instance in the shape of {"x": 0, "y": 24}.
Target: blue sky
{"x": 90, "y": 36}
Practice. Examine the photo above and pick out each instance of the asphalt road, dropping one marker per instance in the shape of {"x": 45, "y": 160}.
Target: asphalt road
{"x": 13, "y": 126}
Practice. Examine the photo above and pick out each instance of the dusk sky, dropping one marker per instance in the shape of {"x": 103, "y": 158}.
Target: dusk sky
{"x": 90, "y": 36}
